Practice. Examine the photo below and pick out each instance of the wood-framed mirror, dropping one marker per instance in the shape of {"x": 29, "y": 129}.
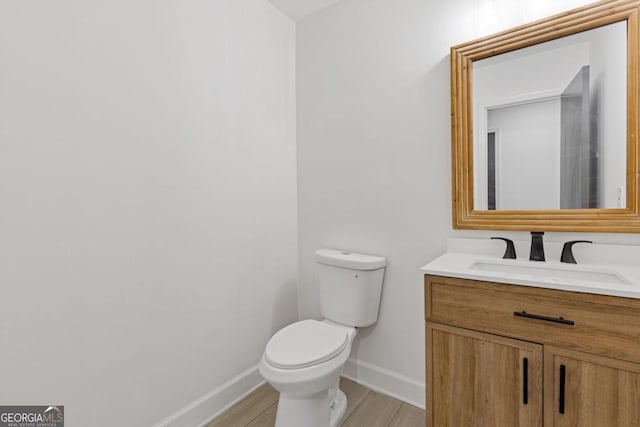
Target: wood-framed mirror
{"x": 544, "y": 124}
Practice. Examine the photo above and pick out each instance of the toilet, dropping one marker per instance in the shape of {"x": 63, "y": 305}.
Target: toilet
{"x": 304, "y": 360}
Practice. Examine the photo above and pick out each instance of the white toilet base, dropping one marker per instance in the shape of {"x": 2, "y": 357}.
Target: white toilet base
{"x": 338, "y": 408}
{"x": 311, "y": 411}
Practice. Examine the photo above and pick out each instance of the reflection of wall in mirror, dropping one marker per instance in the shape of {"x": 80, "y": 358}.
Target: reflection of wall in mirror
{"x": 608, "y": 98}
{"x": 543, "y": 71}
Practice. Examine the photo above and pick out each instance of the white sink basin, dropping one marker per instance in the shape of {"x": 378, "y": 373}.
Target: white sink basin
{"x": 549, "y": 272}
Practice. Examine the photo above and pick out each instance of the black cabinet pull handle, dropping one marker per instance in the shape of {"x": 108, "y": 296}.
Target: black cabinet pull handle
{"x": 563, "y": 375}
{"x": 545, "y": 318}
{"x": 525, "y": 381}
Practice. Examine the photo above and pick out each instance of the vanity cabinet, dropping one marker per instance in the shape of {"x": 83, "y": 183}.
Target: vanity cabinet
{"x": 483, "y": 380}
{"x": 508, "y": 355}
{"x": 595, "y": 390}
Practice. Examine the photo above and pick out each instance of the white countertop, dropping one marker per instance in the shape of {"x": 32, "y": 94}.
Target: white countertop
{"x": 463, "y": 265}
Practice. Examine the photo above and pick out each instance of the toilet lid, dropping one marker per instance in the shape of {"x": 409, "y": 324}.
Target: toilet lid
{"x": 305, "y": 343}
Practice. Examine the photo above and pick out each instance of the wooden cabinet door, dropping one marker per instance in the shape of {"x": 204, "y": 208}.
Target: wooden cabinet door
{"x": 584, "y": 390}
{"x": 482, "y": 380}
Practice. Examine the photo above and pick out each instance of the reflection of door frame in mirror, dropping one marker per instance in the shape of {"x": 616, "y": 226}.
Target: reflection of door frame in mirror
{"x": 496, "y": 169}
{"x": 596, "y": 15}
{"x": 481, "y": 131}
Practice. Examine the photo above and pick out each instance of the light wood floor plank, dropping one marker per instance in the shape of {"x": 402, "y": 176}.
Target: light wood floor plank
{"x": 365, "y": 408}
{"x": 247, "y": 409}
{"x": 408, "y": 416}
{"x": 265, "y": 419}
{"x": 376, "y": 410}
{"x": 355, "y": 395}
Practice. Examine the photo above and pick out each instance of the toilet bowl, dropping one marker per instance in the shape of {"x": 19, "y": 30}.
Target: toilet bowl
{"x": 304, "y": 362}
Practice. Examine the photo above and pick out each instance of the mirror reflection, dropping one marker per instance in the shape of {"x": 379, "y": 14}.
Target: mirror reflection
{"x": 550, "y": 124}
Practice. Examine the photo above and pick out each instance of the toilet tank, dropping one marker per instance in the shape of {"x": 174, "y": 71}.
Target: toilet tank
{"x": 350, "y": 286}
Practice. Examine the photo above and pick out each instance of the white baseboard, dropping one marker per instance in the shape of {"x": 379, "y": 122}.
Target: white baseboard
{"x": 199, "y": 413}
{"x": 386, "y": 382}
{"x": 206, "y": 408}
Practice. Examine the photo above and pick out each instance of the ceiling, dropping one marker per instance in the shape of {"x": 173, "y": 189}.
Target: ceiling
{"x": 300, "y": 9}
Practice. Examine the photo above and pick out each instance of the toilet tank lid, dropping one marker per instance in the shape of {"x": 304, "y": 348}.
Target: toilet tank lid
{"x": 351, "y": 260}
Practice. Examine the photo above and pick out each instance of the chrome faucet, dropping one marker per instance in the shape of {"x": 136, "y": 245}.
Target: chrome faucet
{"x": 537, "y": 246}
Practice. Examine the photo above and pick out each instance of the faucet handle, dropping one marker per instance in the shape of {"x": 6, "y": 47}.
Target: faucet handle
{"x": 510, "y": 252}
{"x": 567, "y": 252}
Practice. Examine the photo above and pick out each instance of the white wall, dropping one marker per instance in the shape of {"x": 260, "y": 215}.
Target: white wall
{"x": 374, "y": 148}
{"x": 147, "y": 200}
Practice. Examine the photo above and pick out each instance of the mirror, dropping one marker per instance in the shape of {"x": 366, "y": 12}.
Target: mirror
{"x": 550, "y": 124}
{"x": 544, "y": 124}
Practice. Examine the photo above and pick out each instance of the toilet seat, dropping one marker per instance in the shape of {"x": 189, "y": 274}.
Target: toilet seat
{"x": 304, "y": 344}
